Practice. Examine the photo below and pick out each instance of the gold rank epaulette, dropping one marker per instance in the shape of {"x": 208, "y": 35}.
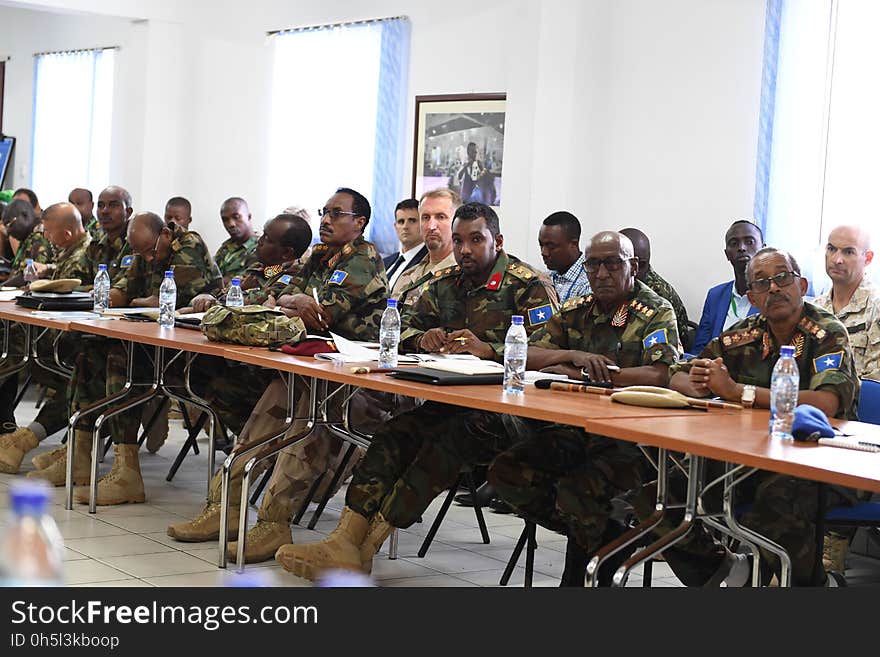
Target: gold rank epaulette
{"x": 319, "y": 248}
{"x": 741, "y": 337}
{"x": 348, "y": 249}
{"x": 642, "y": 308}
{"x": 812, "y": 328}
{"x": 520, "y": 271}
{"x": 272, "y": 270}
{"x": 576, "y": 302}
{"x": 455, "y": 270}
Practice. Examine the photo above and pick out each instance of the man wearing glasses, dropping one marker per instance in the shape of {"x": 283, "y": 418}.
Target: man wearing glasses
{"x": 341, "y": 288}
{"x": 737, "y": 366}
{"x": 622, "y": 333}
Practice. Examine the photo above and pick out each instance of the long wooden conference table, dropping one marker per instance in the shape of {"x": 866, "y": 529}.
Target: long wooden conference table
{"x": 737, "y": 437}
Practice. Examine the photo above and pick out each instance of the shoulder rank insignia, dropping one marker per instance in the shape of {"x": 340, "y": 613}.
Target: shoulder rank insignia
{"x": 494, "y": 281}
{"x": 272, "y": 270}
{"x": 319, "y": 248}
{"x": 574, "y": 302}
{"x": 284, "y": 280}
{"x": 638, "y": 306}
{"x": 540, "y": 314}
{"x": 657, "y": 337}
{"x": 812, "y": 328}
{"x": 519, "y": 270}
{"x": 828, "y": 362}
{"x": 348, "y": 249}
{"x": 338, "y": 277}
{"x": 126, "y": 261}
{"x": 741, "y": 337}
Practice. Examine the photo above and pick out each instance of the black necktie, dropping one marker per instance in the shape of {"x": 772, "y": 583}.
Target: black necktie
{"x": 400, "y": 260}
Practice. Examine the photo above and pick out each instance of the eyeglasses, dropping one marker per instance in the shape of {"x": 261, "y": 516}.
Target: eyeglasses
{"x": 783, "y": 279}
{"x": 592, "y": 265}
{"x": 335, "y": 213}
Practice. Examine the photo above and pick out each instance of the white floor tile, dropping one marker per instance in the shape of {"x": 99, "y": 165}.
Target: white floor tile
{"x": 117, "y": 546}
{"x": 156, "y": 565}
{"x": 88, "y": 571}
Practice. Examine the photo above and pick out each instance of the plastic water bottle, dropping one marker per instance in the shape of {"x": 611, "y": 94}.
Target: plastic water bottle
{"x": 234, "y": 297}
{"x": 389, "y": 335}
{"x": 31, "y": 549}
{"x": 30, "y": 271}
{"x": 101, "y": 290}
{"x": 784, "y": 385}
{"x": 516, "y": 347}
{"x": 167, "y": 300}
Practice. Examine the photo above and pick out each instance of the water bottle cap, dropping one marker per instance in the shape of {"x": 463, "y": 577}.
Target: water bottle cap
{"x": 102, "y": 267}
{"x": 787, "y": 350}
{"x": 29, "y": 496}
{"x": 392, "y": 303}
{"x": 29, "y": 261}
{"x": 236, "y": 281}
{"x": 169, "y": 274}
{"x": 516, "y": 320}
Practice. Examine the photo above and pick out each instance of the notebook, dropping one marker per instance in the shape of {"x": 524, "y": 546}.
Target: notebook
{"x": 442, "y": 378}
{"x": 467, "y": 367}
{"x": 861, "y": 444}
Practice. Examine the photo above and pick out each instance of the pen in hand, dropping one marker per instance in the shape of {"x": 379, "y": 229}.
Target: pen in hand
{"x": 315, "y": 295}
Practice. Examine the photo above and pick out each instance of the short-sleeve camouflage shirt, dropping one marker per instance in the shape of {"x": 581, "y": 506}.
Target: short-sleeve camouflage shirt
{"x": 452, "y": 301}
{"x": 640, "y": 331}
{"x": 822, "y": 352}
{"x": 194, "y": 270}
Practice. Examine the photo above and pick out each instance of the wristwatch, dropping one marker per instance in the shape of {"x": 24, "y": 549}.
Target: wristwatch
{"x": 748, "y": 396}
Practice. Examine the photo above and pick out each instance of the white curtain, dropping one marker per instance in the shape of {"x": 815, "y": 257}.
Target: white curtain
{"x": 823, "y": 164}
{"x": 73, "y": 106}
{"x": 327, "y": 127}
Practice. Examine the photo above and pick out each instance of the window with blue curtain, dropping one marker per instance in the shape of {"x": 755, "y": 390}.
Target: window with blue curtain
{"x": 819, "y": 129}
{"x": 73, "y": 107}
{"x": 337, "y": 119}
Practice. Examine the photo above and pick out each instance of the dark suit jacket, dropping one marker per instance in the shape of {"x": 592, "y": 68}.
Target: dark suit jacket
{"x": 412, "y": 263}
{"x": 714, "y": 314}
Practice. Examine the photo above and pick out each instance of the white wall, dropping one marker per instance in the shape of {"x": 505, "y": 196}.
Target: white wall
{"x": 626, "y": 112}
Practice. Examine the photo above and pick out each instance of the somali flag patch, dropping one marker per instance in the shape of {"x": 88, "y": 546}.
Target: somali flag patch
{"x": 828, "y": 362}
{"x": 127, "y": 260}
{"x": 284, "y": 279}
{"x": 655, "y": 338}
{"x": 338, "y": 277}
{"x": 540, "y": 314}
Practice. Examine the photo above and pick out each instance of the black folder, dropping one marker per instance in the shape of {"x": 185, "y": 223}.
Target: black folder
{"x": 443, "y": 378}
{"x": 55, "y": 301}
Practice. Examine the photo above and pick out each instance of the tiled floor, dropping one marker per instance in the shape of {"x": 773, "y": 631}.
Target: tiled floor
{"x": 127, "y": 545}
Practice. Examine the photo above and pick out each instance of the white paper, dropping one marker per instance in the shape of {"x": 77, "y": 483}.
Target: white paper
{"x": 10, "y": 294}
{"x": 532, "y": 376}
{"x": 465, "y": 366}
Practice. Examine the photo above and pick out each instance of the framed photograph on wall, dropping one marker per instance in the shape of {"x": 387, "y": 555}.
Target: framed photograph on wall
{"x": 459, "y": 144}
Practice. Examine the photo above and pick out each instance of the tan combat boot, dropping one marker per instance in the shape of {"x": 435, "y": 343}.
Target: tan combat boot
{"x": 263, "y": 541}
{"x": 341, "y": 549}
{"x": 123, "y": 484}
{"x": 13, "y": 447}
{"x": 834, "y": 549}
{"x": 206, "y": 525}
{"x": 56, "y": 472}
{"x": 379, "y": 530}
{"x": 45, "y": 459}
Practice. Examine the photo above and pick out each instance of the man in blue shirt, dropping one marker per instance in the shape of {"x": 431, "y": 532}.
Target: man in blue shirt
{"x": 727, "y": 304}
{"x": 559, "y": 240}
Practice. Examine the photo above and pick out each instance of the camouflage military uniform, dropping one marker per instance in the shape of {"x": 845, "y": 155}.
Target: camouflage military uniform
{"x": 861, "y": 317}
{"x": 783, "y": 508}
{"x": 35, "y": 246}
{"x": 353, "y": 287}
{"x": 420, "y": 453}
{"x": 234, "y": 259}
{"x": 414, "y": 281}
{"x": 99, "y": 373}
{"x": 562, "y": 477}
{"x": 92, "y": 227}
{"x": 115, "y": 253}
{"x": 73, "y": 262}
{"x": 657, "y": 283}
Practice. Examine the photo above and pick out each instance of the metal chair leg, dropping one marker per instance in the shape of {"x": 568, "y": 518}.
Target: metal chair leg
{"x": 340, "y": 468}
{"x": 531, "y": 546}
{"x": 190, "y": 443}
{"x": 514, "y": 557}
{"x": 308, "y": 499}
{"x": 478, "y": 510}
{"x": 258, "y": 489}
{"x": 439, "y": 519}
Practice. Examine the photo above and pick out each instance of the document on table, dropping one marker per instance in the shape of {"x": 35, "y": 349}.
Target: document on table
{"x": 8, "y": 294}
{"x": 131, "y": 311}
{"x": 68, "y": 314}
{"x": 353, "y": 352}
{"x": 861, "y": 444}
{"x": 465, "y": 366}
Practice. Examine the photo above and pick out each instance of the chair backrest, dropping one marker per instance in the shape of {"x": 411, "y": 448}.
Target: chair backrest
{"x": 869, "y": 401}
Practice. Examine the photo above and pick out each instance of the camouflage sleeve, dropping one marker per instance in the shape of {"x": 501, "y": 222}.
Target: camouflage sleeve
{"x": 833, "y": 370}
{"x": 129, "y": 279}
{"x": 194, "y": 272}
{"x": 537, "y": 303}
{"x": 552, "y": 334}
{"x": 36, "y": 247}
{"x": 712, "y": 350}
{"x": 419, "y": 318}
{"x": 363, "y": 284}
{"x": 660, "y": 343}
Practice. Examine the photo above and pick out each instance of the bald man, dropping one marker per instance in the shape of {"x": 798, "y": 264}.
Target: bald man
{"x": 856, "y": 303}
{"x": 648, "y": 276}
{"x": 63, "y": 227}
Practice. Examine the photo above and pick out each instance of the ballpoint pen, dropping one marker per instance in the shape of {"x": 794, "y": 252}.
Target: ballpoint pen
{"x": 315, "y": 295}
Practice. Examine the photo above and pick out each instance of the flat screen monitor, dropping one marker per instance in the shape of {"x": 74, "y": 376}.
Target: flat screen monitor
{"x": 7, "y": 144}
